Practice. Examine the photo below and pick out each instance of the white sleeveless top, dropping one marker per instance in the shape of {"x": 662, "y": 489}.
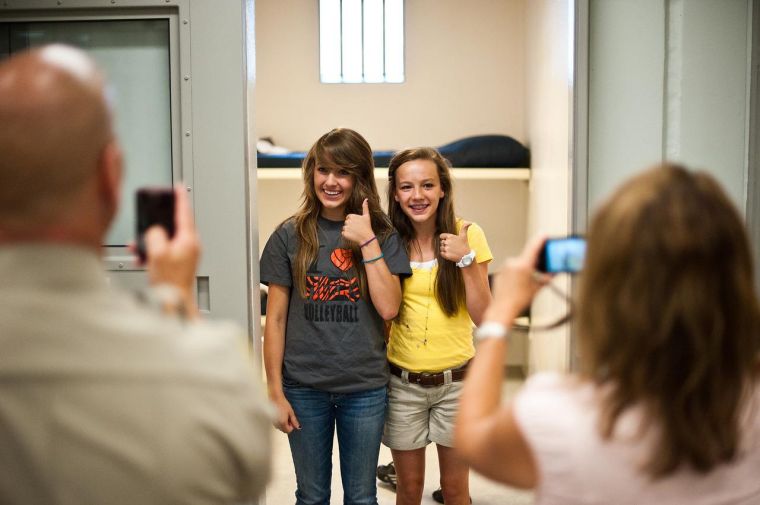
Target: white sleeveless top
{"x": 558, "y": 417}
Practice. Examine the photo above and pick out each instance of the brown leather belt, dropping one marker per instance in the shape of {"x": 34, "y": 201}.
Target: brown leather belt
{"x": 430, "y": 379}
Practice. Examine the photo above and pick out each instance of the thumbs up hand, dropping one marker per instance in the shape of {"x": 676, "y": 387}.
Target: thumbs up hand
{"x": 453, "y": 247}
{"x": 358, "y": 228}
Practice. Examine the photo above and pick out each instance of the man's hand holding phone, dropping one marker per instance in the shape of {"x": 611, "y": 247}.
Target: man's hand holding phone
{"x": 172, "y": 258}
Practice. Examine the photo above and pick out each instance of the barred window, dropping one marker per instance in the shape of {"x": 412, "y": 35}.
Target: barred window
{"x": 361, "y": 41}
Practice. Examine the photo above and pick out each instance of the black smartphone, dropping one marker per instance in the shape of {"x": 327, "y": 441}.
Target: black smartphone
{"x": 155, "y": 205}
{"x": 565, "y": 254}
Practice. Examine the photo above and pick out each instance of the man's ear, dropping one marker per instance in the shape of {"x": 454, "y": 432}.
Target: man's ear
{"x": 109, "y": 177}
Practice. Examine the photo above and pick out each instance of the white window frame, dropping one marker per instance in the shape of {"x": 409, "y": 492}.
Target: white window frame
{"x": 354, "y": 47}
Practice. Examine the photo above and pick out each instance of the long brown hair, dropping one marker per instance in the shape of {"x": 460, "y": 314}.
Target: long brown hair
{"x": 449, "y": 284}
{"x": 349, "y": 150}
{"x": 668, "y": 315}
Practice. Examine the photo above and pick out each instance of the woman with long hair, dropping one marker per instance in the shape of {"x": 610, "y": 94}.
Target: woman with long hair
{"x": 430, "y": 341}
{"x": 333, "y": 274}
{"x": 665, "y": 406}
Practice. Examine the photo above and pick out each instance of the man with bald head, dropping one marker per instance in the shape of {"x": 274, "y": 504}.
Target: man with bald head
{"x": 103, "y": 398}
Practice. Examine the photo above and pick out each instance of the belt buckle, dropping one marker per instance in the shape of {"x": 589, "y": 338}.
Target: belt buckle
{"x": 425, "y": 376}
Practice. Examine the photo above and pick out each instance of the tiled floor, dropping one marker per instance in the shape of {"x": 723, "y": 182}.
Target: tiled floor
{"x": 484, "y": 492}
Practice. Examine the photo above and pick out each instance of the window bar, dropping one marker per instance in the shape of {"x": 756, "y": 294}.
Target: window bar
{"x": 385, "y": 71}
{"x": 364, "y": 73}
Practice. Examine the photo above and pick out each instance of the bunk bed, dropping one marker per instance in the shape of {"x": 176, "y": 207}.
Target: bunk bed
{"x": 481, "y": 151}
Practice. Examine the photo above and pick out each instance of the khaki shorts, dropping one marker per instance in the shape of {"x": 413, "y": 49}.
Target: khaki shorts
{"x": 417, "y": 415}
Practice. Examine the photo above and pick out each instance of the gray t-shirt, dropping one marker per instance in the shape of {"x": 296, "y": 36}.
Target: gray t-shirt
{"x": 334, "y": 338}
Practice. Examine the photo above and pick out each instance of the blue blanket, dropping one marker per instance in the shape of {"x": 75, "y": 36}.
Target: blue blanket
{"x": 490, "y": 151}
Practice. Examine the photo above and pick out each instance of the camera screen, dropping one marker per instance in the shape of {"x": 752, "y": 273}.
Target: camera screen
{"x": 565, "y": 255}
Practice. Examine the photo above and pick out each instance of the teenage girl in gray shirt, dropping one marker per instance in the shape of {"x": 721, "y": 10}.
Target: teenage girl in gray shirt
{"x": 333, "y": 274}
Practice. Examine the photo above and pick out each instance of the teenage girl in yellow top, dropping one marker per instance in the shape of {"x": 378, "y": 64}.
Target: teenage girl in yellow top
{"x": 431, "y": 339}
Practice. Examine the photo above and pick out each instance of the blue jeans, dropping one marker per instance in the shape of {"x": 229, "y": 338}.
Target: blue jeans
{"x": 359, "y": 418}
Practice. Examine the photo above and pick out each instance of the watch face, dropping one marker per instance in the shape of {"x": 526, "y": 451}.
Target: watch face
{"x": 467, "y": 259}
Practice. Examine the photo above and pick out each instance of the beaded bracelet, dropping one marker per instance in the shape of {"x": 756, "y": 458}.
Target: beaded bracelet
{"x": 374, "y": 237}
{"x": 372, "y": 260}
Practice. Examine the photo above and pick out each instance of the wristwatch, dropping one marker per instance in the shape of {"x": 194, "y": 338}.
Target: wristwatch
{"x": 165, "y": 298}
{"x": 491, "y": 329}
{"x": 467, "y": 259}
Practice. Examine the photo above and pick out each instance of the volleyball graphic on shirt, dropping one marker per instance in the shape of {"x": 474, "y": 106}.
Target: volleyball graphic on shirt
{"x": 329, "y": 289}
{"x": 342, "y": 258}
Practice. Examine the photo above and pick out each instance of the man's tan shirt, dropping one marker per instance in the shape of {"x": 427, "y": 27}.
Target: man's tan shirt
{"x": 104, "y": 400}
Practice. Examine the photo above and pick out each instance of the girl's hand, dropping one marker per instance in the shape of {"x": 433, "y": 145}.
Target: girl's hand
{"x": 286, "y": 419}
{"x": 453, "y": 247}
{"x": 358, "y": 228}
{"x": 516, "y": 284}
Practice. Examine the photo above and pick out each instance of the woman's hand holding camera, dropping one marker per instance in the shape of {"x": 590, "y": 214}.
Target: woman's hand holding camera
{"x": 516, "y": 284}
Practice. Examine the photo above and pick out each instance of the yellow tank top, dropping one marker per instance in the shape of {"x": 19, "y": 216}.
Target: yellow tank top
{"x": 422, "y": 337}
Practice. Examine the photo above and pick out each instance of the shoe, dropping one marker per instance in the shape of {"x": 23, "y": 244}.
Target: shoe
{"x": 438, "y": 495}
{"x": 387, "y": 474}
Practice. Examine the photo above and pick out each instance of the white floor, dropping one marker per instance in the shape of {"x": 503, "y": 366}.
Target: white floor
{"x": 281, "y": 490}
